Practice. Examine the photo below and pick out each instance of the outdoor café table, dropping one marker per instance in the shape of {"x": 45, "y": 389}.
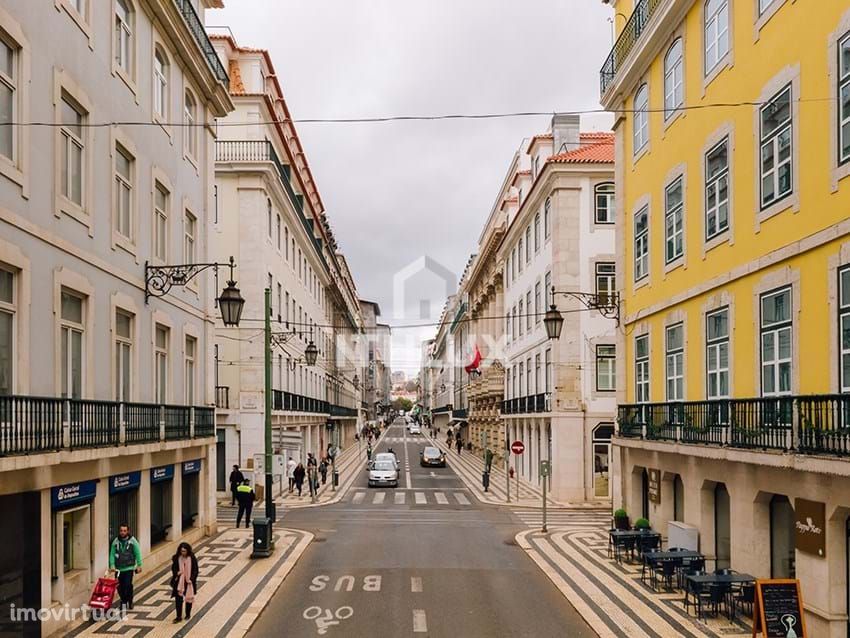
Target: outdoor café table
{"x": 660, "y": 556}
{"x": 619, "y": 535}
{"x": 722, "y": 579}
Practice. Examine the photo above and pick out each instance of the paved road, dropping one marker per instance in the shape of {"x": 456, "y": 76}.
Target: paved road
{"x": 423, "y": 559}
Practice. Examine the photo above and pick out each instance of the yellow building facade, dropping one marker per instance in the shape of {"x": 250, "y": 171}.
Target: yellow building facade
{"x": 733, "y": 230}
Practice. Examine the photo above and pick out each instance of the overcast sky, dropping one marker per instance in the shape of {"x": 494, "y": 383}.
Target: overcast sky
{"x": 397, "y": 191}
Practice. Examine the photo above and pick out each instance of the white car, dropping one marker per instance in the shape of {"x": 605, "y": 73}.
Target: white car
{"x": 383, "y": 473}
{"x": 414, "y": 428}
{"x": 386, "y": 457}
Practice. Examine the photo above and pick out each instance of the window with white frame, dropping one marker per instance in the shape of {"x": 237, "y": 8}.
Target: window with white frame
{"x": 641, "y": 119}
{"x": 674, "y": 230}
{"x": 537, "y": 301}
{"x": 508, "y": 326}
{"x": 508, "y": 394}
{"x": 717, "y": 189}
{"x": 522, "y": 391}
{"x": 604, "y": 203}
{"x": 674, "y": 83}
{"x": 528, "y": 243}
{"x": 279, "y": 301}
{"x": 286, "y": 242}
{"x": 8, "y": 97}
{"x": 776, "y": 349}
{"x": 775, "y": 146}
{"x": 190, "y": 124}
{"x": 537, "y": 387}
{"x": 537, "y": 231}
{"x": 160, "y": 355}
{"x": 80, "y": 7}
{"x": 189, "y": 370}
{"x": 72, "y": 346}
{"x": 843, "y": 327}
{"x": 513, "y": 264}
{"x": 528, "y": 389}
{"x": 124, "y": 35}
{"x": 642, "y": 369}
{"x": 515, "y": 382}
{"x": 547, "y": 218}
{"x": 717, "y": 354}
{"x": 547, "y": 289}
{"x": 8, "y": 311}
{"x": 642, "y": 243}
{"x": 674, "y": 362}
{"x": 124, "y": 192}
{"x": 521, "y": 313}
{"x": 269, "y": 215}
{"x": 716, "y": 32}
{"x": 528, "y": 308}
{"x": 279, "y": 223}
{"x": 123, "y": 355}
{"x": 606, "y": 365}
{"x": 519, "y": 254}
{"x": 605, "y": 282}
{"x": 844, "y": 99}
{"x": 189, "y": 233}
{"x": 160, "y": 84}
{"x": 72, "y": 118}
{"x": 548, "y": 369}
{"x": 160, "y": 222}
{"x": 764, "y": 5}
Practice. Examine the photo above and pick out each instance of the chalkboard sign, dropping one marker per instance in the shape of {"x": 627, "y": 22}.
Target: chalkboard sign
{"x": 778, "y": 609}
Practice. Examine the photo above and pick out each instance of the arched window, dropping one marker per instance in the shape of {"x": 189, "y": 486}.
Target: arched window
{"x": 604, "y": 203}
{"x": 160, "y": 84}
{"x": 674, "y": 88}
{"x": 190, "y": 120}
{"x": 716, "y": 32}
{"x": 641, "y": 118}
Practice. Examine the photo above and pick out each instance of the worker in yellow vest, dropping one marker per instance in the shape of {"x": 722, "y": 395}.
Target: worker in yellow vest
{"x": 245, "y": 497}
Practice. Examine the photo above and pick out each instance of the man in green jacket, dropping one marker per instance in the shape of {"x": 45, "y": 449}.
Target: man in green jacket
{"x": 125, "y": 559}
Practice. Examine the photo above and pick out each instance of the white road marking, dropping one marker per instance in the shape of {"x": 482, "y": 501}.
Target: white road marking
{"x": 358, "y": 497}
{"x": 416, "y": 584}
{"x": 420, "y": 498}
{"x": 420, "y": 624}
{"x": 379, "y": 498}
{"x": 406, "y": 462}
{"x": 441, "y": 498}
{"x": 399, "y": 498}
{"x": 461, "y": 498}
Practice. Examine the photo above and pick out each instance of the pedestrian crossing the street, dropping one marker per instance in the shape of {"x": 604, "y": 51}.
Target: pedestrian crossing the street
{"x": 411, "y": 497}
{"x": 571, "y": 519}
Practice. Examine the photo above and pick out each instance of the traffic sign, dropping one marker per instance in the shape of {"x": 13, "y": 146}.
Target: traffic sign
{"x": 517, "y": 447}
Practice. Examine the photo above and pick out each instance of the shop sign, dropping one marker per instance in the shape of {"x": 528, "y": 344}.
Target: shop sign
{"x": 160, "y": 474}
{"x": 65, "y": 496}
{"x": 809, "y": 524}
{"x": 778, "y": 609}
{"x": 124, "y": 482}
{"x": 654, "y": 485}
{"x": 192, "y": 467}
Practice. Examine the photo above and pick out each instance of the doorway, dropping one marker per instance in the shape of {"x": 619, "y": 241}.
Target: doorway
{"x": 601, "y": 460}
{"x": 220, "y": 460}
{"x": 722, "y": 528}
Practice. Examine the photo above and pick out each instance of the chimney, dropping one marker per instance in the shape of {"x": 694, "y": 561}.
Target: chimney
{"x": 565, "y": 130}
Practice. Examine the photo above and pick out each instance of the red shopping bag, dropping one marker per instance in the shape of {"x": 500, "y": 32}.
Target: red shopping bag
{"x": 103, "y": 593}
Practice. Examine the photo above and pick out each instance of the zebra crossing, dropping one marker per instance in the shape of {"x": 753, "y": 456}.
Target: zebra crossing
{"x": 411, "y": 497}
{"x": 573, "y": 519}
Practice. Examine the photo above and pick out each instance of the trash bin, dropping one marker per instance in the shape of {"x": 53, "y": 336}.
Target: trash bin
{"x": 485, "y": 480}
{"x": 262, "y": 538}
{"x": 336, "y": 478}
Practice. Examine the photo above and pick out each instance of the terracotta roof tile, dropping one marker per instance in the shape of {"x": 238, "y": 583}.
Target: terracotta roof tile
{"x": 599, "y": 149}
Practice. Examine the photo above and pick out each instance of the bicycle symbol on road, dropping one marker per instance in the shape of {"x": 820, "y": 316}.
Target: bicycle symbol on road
{"x": 325, "y": 617}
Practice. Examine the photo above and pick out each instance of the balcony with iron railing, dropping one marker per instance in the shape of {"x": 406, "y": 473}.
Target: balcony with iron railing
{"x": 222, "y": 397}
{"x": 199, "y": 33}
{"x": 531, "y": 404}
{"x": 34, "y": 425}
{"x": 263, "y": 151}
{"x": 626, "y": 41}
{"x": 288, "y": 402}
{"x": 807, "y": 424}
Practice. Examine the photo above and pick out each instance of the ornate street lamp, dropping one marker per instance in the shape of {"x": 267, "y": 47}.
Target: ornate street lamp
{"x": 160, "y": 279}
{"x": 356, "y": 382}
{"x": 311, "y": 353}
{"x": 553, "y": 322}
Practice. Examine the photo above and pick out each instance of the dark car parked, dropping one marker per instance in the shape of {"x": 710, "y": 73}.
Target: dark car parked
{"x": 432, "y": 457}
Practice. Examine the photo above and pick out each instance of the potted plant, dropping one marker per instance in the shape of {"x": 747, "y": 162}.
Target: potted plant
{"x": 642, "y": 523}
{"x": 621, "y": 519}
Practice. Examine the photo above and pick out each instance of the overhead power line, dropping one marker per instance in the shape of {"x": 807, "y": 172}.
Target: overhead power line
{"x": 415, "y": 118}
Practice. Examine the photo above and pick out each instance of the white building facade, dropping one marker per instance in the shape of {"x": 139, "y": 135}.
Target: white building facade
{"x": 270, "y": 217}
{"x": 122, "y": 430}
{"x": 560, "y": 396}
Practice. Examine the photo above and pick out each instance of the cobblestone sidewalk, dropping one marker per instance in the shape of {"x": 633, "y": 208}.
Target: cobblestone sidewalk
{"x": 232, "y": 590}
{"x": 610, "y": 596}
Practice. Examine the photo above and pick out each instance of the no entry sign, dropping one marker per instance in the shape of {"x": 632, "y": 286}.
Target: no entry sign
{"x": 517, "y": 447}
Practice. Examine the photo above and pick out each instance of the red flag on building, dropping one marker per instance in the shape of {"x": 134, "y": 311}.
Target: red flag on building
{"x": 476, "y": 361}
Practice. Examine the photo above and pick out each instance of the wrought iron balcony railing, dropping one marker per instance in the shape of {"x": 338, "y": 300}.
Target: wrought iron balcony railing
{"x": 33, "y": 425}
{"x": 626, "y": 41}
{"x": 190, "y": 16}
{"x": 808, "y": 424}
{"x": 533, "y": 403}
{"x": 289, "y": 402}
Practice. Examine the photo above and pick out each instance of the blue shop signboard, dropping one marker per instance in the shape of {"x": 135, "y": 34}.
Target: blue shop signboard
{"x": 192, "y": 467}
{"x": 160, "y": 474}
{"x": 65, "y": 496}
{"x": 125, "y": 482}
